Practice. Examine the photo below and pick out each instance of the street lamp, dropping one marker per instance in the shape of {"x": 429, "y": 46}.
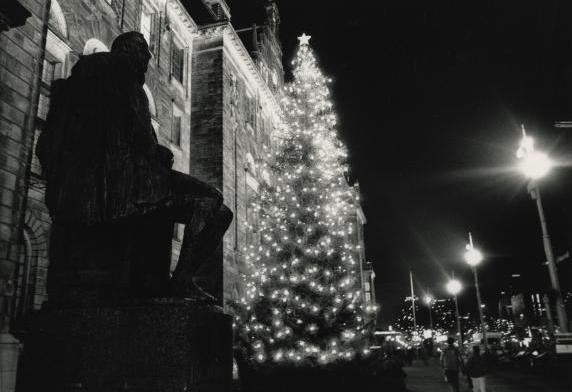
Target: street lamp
{"x": 454, "y": 287}
{"x": 473, "y": 257}
{"x": 429, "y": 301}
{"x": 535, "y": 165}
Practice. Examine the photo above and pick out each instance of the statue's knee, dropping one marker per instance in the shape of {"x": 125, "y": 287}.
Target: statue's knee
{"x": 225, "y": 213}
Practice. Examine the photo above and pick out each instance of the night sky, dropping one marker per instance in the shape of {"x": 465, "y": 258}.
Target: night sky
{"x": 430, "y": 97}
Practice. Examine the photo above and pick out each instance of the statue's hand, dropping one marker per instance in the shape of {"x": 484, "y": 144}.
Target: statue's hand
{"x": 187, "y": 288}
{"x": 165, "y": 156}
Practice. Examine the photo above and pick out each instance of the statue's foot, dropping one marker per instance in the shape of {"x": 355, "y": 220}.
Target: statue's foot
{"x": 191, "y": 291}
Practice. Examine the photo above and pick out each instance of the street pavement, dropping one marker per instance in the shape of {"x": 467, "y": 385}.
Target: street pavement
{"x": 421, "y": 378}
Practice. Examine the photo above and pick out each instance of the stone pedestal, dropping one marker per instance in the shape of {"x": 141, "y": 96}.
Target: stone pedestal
{"x": 170, "y": 345}
{"x": 9, "y": 353}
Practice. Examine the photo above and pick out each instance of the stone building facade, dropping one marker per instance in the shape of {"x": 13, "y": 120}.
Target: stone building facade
{"x": 366, "y": 273}
{"x": 234, "y": 112}
{"x": 21, "y": 51}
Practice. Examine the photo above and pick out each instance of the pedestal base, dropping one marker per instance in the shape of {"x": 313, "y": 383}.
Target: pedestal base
{"x": 9, "y": 353}
{"x": 171, "y": 345}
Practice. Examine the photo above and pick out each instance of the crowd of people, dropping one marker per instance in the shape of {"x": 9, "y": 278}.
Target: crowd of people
{"x": 475, "y": 367}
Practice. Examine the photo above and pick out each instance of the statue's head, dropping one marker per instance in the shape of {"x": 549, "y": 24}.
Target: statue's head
{"x": 133, "y": 47}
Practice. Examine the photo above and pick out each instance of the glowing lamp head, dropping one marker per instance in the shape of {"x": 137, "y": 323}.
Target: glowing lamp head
{"x": 535, "y": 165}
{"x": 454, "y": 287}
{"x": 428, "y": 299}
{"x": 473, "y": 256}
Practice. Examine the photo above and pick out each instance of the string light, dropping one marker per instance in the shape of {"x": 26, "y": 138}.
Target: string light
{"x": 303, "y": 299}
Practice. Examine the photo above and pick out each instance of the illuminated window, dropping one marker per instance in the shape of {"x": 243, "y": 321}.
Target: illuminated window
{"x": 36, "y": 168}
{"x": 251, "y": 111}
{"x": 178, "y": 232}
{"x": 43, "y": 106}
{"x": 149, "y": 26}
{"x": 93, "y": 45}
{"x": 176, "y": 126}
{"x": 48, "y": 72}
{"x": 178, "y": 62}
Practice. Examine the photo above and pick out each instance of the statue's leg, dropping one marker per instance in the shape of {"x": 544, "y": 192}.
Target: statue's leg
{"x": 151, "y": 254}
{"x": 195, "y": 204}
{"x": 196, "y": 249}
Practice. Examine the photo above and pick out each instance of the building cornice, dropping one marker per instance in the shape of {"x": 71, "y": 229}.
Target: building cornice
{"x": 183, "y": 14}
{"x": 236, "y": 49}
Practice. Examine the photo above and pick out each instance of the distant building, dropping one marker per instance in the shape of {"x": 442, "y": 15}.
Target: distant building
{"x": 368, "y": 283}
{"x": 389, "y": 297}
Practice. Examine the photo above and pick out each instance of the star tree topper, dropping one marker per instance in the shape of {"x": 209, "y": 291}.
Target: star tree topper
{"x": 304, "y": 39}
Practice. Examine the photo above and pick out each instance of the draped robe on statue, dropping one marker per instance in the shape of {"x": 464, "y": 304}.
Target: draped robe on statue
{"x": 112, "y": 194}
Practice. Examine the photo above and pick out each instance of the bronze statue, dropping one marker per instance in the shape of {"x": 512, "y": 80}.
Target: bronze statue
{"x": 110, "y": 189}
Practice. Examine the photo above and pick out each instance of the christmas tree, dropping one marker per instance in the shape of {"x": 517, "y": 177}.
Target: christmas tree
{"x": 304, "y": 298}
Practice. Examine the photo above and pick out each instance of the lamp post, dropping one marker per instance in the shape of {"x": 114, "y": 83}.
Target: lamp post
{"x": 535, "y": 165}
{"x": 429, "y": 301}
{"x": 413, "y": 302}
{"x": 473, "y": 257}
{"x": 454, "y": 287}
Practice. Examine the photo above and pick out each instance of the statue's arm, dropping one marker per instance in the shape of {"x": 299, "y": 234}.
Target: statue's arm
{"x": 48, "y": 140}
{"x": 165, "y": 155}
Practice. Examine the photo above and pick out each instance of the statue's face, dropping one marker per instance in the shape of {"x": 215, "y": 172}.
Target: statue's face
{"x": 142, "y": 55}
{"x": 133, "y": 47}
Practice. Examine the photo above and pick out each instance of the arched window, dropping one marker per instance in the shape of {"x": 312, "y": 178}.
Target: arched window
{"x": 23, "y": 282}
{"x": 93, "y": 45}
{"x": 152, "y": 107}
{"x": 57, "y": 21}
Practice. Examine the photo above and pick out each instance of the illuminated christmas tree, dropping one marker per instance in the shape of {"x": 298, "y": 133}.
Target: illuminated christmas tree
{"x": 304, "y": 300}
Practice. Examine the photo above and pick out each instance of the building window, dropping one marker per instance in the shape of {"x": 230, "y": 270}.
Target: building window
{"x": 252, "y": 217}
{"x": 57, "y": 21}
{"x": 36, "y": 168}
{"x": 149, "y": 27}
{"x": 178, "y": 62}
{"x": 176, "y": 126}
{"x": 43, "y": 106}
{"x": 178, "y": 232}
{"x": 251, "y": 111}
{"x": 48, "y": 72}
{"x": 24, "y": 287}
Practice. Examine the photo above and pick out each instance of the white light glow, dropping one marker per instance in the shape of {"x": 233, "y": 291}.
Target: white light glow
{"x": 535, "y": 165}
{"x": 454, "y": 287}
{"x": 473, "y": 256}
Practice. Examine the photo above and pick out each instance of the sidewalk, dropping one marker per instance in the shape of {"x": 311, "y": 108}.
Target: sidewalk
{"x": 421, "y": 378}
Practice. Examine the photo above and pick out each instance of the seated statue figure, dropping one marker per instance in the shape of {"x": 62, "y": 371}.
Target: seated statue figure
{"x": 111, "y": 192}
